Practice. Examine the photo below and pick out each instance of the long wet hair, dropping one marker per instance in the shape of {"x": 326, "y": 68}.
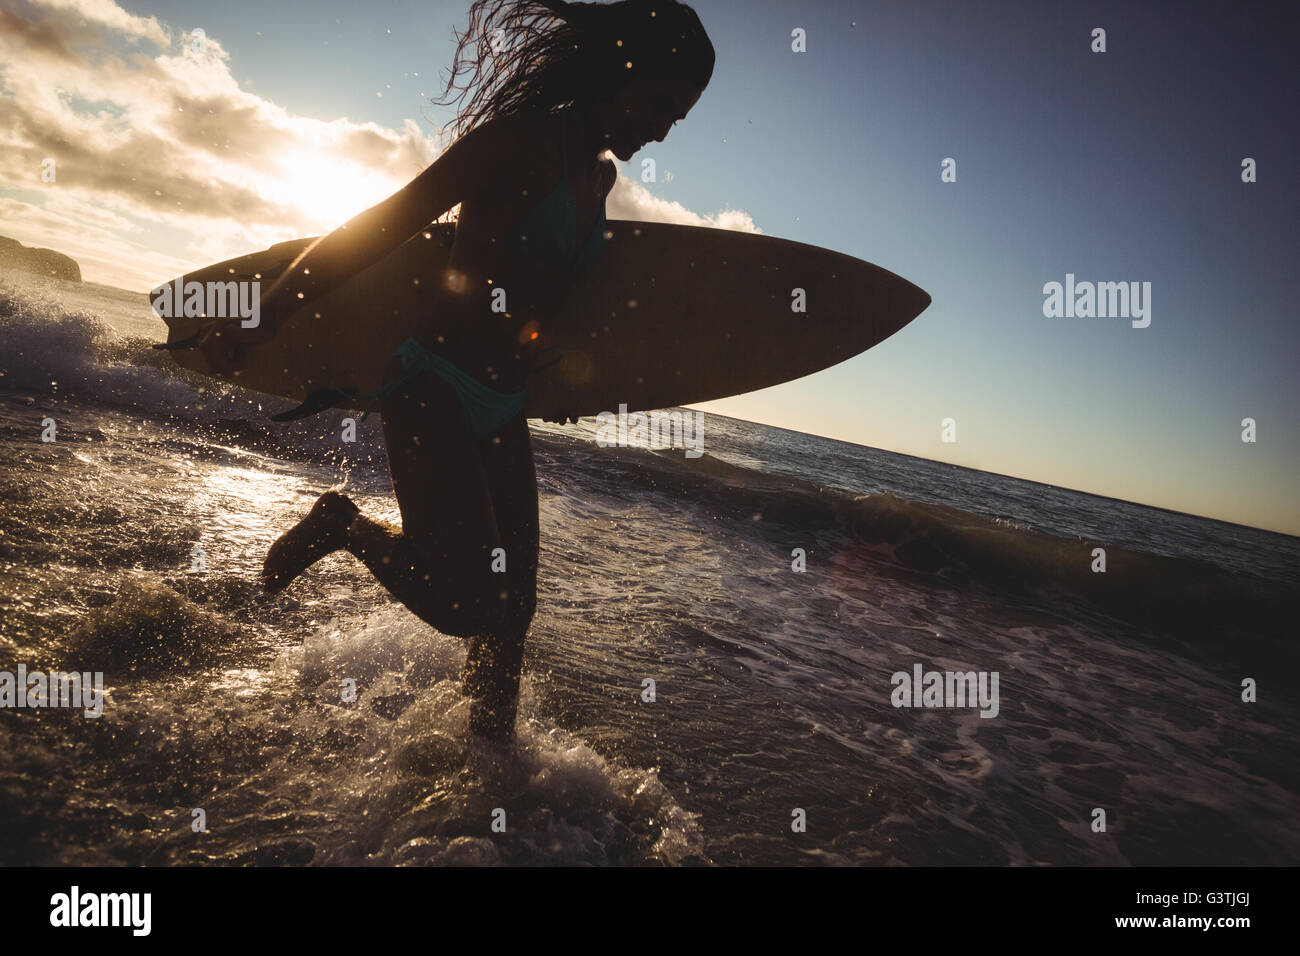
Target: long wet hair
{"x": 546, "y": 54}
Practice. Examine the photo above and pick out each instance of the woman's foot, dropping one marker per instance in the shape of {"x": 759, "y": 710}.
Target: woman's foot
{"x": 322, "y": 532}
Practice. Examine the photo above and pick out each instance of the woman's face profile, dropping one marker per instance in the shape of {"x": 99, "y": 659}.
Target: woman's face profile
{"x": 644, "y": 110}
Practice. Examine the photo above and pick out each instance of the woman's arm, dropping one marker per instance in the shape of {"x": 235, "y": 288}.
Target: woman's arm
{"x": 474, "y": 162}
{"x": 478, "y": 161}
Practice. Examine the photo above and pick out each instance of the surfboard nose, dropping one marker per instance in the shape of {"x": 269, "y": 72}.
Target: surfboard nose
{"x": 920, "y": 301}
{"x": 897, "y": 303}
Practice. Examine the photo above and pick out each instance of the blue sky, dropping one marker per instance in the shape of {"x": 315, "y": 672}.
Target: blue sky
{"x": 1122, "y": 166}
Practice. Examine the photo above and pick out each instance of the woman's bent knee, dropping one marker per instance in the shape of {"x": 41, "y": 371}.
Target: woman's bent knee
{"x": 471, "y": 597}
{"x": 463, "y": 614}
{"x": 494, "y": 611}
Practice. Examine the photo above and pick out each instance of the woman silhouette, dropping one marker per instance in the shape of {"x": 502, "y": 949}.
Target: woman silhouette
{"x": 551, "y": 86}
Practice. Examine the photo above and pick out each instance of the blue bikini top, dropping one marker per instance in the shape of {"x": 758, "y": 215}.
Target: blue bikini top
{"x": 547, "y": 232}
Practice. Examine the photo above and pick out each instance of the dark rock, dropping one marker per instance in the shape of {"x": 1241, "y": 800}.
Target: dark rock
{"x": 46, "y": 262}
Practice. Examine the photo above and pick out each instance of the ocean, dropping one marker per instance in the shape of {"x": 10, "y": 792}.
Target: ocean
{"x": 131, "y": 544}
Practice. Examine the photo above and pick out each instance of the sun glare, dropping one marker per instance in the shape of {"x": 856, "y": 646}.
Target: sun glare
{"x": 328, "y": 191}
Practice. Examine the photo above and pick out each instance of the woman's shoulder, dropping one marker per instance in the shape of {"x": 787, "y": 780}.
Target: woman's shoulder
{"x": 509, "y": 148}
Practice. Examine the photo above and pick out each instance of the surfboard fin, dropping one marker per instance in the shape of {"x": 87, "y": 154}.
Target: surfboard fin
{"x": 179, "y": 344}
{"x": 316, "y": 401}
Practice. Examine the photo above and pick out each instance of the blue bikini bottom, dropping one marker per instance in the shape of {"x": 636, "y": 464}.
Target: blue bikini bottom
{"x": 484, "y": 409}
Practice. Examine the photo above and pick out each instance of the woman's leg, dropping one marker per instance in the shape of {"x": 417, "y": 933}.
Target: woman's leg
{"x": 439, "y": 564}
{"x": 459, "y": 502}
{"x": 495, "y": 656}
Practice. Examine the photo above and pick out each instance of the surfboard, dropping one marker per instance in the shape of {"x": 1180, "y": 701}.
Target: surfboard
{"x": 670, "y": 315}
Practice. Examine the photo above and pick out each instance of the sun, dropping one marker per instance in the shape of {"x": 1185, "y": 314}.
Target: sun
{"x": 328, "y": 191}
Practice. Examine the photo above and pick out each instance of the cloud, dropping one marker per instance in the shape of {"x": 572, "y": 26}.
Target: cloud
{"x": 108, "y": 14}
{"x": 162, "y": 159}
{"x": 630, "y": 199}
{"x": 170, "y": 144}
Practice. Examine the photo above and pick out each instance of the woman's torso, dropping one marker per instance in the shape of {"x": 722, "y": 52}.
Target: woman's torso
{"x": 513, "y": 248}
